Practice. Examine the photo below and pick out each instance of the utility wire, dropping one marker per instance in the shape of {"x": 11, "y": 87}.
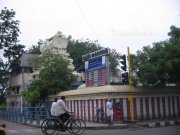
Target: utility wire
{"x": 85, "y": 18}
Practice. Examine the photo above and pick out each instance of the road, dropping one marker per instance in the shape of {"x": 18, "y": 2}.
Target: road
{"x": 18, "y": 129}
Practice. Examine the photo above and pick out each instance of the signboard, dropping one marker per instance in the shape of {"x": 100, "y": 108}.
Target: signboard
{"x": 95, "y": 54}
{"x": 97, "y": 68}
{"x": 95, "y": 63}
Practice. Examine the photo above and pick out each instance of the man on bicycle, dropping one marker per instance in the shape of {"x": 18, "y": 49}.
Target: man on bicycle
{"x": 61, "y": 110}
{"x": 53, "y": 107}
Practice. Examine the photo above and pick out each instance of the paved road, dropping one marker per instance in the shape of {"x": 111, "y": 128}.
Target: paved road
{"x": 18, "y": 129}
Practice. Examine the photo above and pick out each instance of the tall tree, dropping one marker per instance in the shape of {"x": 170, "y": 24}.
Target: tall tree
{"x": 9, "y": 33}
{"x": 77, "y": 48}
{"x": 54, "y": 76}
{"x": 159, "y": 65}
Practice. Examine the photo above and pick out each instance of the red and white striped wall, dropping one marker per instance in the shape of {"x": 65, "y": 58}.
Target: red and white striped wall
{"x": 159, "y": 107}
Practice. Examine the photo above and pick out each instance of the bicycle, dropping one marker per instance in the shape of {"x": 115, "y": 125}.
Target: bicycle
{"x": 54, "y": 125}
{"x": 101, "y": 116}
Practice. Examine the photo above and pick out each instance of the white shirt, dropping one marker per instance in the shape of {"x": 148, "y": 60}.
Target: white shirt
{"x": 53, "y": 109}
{"x": 109, "y": 108}
{"x": 61, "y": 107}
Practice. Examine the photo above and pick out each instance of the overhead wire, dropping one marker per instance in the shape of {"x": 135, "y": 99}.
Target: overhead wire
{"x": 85, "y": 18}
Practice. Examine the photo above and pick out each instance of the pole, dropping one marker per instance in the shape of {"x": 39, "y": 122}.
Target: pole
{"x": 130, "y": 98}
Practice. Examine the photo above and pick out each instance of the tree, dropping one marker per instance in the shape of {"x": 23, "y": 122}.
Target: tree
{"x": 3, "y": 80}
{"x": 54, "y": 76}
{"x": 9, "y": 33}
{"x": 78, "y": 48}
{"x": 35, "y": 49}
{"x": 9, "y": 30}
{"x": 159, "y": 65}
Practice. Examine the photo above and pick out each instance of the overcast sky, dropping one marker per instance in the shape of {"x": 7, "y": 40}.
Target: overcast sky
{"x": 114, "y": 23}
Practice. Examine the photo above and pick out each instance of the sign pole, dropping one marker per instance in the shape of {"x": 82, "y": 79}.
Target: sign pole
{"x": 130, "y": 98}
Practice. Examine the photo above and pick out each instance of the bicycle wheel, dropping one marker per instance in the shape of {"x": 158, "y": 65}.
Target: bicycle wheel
{"x": 43, "y": 126}
{"x": 68, "y": 125}
{"x": 78, "y": 126}
{"x": 51, "y": 126}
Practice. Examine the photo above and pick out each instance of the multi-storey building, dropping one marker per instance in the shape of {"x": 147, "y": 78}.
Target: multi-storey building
{"x": 19, "y": 80}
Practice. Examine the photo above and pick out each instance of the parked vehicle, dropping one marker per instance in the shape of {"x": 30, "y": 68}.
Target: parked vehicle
{"x": 2, "y": 129}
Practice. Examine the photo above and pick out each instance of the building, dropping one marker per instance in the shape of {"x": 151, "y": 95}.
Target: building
{"x": 19, "y": 80}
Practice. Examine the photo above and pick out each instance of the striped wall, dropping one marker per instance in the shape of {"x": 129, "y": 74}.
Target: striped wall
{"x": 160, "y": 107}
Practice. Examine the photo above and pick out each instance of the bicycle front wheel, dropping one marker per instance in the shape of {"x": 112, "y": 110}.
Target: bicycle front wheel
{"x": 78, "y": 126}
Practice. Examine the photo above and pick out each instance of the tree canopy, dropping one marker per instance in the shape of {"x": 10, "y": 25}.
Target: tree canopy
{"x": 77, "y": 48}
{"x": 159, "y": 65}
{"x": 9, "y": 33}
{"x": 54, "y": 76}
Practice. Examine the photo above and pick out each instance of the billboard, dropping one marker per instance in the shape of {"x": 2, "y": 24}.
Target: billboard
{"x": 97, "y": 68}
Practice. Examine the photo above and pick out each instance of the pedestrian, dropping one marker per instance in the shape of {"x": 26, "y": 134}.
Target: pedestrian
{"x": 109, "y": 110}
{"x": 97, "y": 114}
{"x": 61, "y": 110}
{"x": 53, "y": 107}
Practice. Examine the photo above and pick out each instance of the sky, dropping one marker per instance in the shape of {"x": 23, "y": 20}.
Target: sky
{"x": 116, "y": 24}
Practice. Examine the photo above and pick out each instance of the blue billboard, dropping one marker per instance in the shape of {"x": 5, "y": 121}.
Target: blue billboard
{"x": 95, "y": 63}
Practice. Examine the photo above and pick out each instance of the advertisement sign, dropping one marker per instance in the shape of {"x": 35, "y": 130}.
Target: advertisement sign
{"x": 97, "y": 68}
{"x": 96, "y": 63}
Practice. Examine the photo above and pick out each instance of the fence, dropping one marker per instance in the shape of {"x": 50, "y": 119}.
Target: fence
{"x": 28, "y": 114}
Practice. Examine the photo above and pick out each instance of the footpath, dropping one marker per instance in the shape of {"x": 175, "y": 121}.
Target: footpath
{"x": 127, "y": 124}
{"x": 120, "y": 125}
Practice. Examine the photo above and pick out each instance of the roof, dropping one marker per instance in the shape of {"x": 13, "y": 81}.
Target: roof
{"x": 27, "y": 59}
{"x": 116, "y": 89}
{"x": 95, "y": 90}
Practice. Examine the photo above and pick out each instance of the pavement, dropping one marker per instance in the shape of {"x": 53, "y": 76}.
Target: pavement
{"x": 124, "y": 124}
{"x": 128, "y": 124}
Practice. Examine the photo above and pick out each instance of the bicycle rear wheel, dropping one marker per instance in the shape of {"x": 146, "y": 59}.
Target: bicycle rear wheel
{"x": 78, "y": 126}
{"x": 43, "y": 126}
{"x": 51, "y": 126}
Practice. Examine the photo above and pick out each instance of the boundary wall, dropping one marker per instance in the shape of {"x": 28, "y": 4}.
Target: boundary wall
{"x": 148, "y": 104}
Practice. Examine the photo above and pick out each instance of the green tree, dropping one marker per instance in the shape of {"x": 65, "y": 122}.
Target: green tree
{"x": 9, "y": 33}
{"x": 159, "y": 65}
{"x": 54, "y": 75}
{"x": 3, "y": 81}
{"x": 35, "y": 49}
{"x": 31, "y": 96}
{"x": 77, "y": 48}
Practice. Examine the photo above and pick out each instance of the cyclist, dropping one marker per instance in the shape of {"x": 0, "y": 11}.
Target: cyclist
{"x": 53, "y": 107}
{"x": 61, "y": 110}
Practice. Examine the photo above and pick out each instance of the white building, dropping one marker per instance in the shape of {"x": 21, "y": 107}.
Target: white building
{"x": 19, "y": 80}
{"x": 22, "y": 78}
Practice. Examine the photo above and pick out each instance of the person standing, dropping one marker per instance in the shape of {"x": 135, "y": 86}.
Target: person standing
{"x": 109, "y": 110}
{"x": 53, "y": 107}
{"x": 61, "y": 110}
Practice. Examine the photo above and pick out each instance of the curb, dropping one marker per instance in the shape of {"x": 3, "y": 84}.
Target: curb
{"x": 160, "y": 123}
{"x": 108, "y": 127}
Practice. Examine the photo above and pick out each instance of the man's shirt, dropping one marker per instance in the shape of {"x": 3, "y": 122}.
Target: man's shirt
{"x": 53, "y": 109}
{"x": 61, "y": 107}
